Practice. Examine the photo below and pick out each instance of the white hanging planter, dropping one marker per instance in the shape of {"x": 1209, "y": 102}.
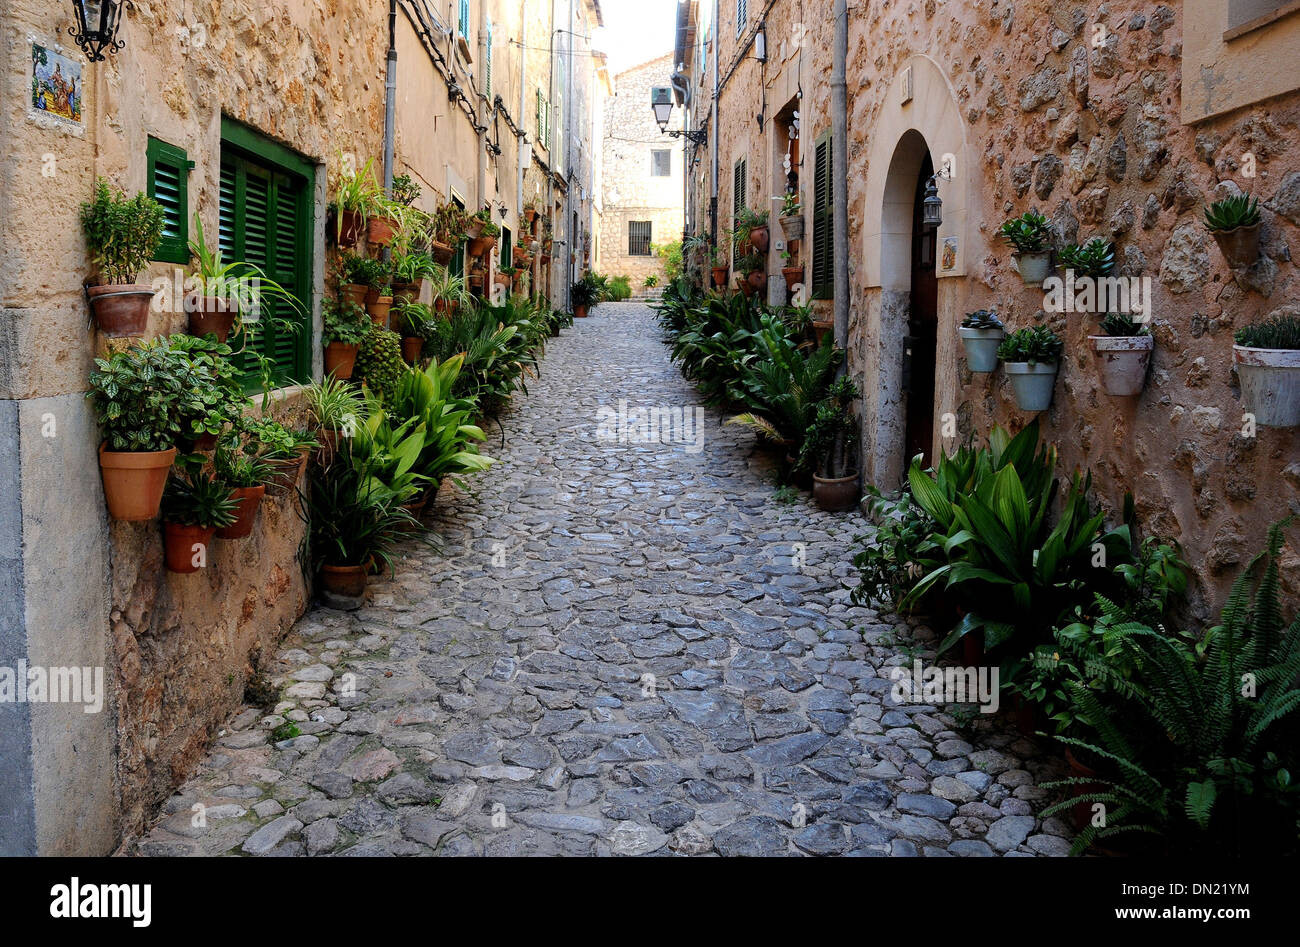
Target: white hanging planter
{"x": 1122, "y": 362}
{"x": 1033, "y": 267}
{"x": 981, "y": 347}
{"x": 1270, "y": 384}
{"x": 1032, "y": 383}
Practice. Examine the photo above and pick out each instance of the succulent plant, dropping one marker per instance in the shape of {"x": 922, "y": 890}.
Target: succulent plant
{"x": 1240, "y": 210}
{"x": 1121, "y": 324}
{"x": 1035, "y": 344}
{"x": 379, "y": 361}
{"x": 1280, "y": 332}
{"x": 1028, "y": 233}
{"x": 1096, "y": 257}
{"x": 982, "y": 319}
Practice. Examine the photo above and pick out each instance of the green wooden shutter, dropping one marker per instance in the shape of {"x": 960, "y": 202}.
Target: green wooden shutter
{"x": 464, "y": 18}
{"x": 740, "y": 186}
{"x": 487, "y": 63}
{"x": 823, "y": 223}
{"x": 168, "y": 175}
{"x": 264, "y": 221}
{"x": 742, "y": 15}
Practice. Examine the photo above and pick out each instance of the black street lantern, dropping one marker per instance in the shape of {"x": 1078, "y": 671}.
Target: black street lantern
{"x": 96, "y": 27}
{"x": 661, "y": 100}
{"x": 931, "y": 206}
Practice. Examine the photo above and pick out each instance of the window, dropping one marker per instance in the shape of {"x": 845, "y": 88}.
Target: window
{"x": 742, "y": 16}
{"x": 740, "y": 184}
{"x": 823, "y": 222}
{"x": 507, "y": 253}
{"x": 265, "y": 218}
{"x": 457, "y": 266}
{"x": 543, "y": 121}
{"x": 462, "y": 21}
{"x": 639, "y": 233}
{"x": 661, "y": 163}
{"x": 487, "y": 63}
{"x": 168, "y": 174}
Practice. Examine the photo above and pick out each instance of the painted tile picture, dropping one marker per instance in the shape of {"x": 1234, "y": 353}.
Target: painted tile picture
{"x": 56, "y": 84}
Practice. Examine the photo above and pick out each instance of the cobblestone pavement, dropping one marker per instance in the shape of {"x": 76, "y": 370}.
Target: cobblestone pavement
{"x": 620, "y": 648}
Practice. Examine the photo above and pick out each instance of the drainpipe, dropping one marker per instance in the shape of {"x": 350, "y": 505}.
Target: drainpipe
{"x": 714, "y": 130}
{"x": 570, "y": 93}
{"x": 523, "y": 149}
{"x": 840, "y": 181}
{"x": 484, "y": 118}
{"x": 390, "y": 98}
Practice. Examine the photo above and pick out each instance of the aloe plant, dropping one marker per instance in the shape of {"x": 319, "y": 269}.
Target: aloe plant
{"x": 1239, "y": 210}
{"x": 1280, "y": 332}
{"x": 982, "y": 319}
{"x": 1122, "y": 325}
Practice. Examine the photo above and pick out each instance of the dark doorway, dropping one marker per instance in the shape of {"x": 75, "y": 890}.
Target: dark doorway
{"x": 922, "y": 332}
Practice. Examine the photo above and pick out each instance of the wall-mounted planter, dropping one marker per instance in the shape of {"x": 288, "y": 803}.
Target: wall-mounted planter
{"x": 720, "y": 277}
{"x": 760, "y": 238}
{"x": 981, "y": 348}
{"x": 248, "y": 500}
{"x": 792, "y": 227}
{"x": 349, "y": 227}
{"x": 286, "y": 472}
{"x": 793, "y": 275}
{"x": 441, "y": 252}
{"x": 378, "y": 309}
{"x": 380, "y": 231}
{"x": 1122, "y": 362}
{"x": 355, "y": 293}
{"x": 1032, "y": 383}
{"x": 412, "y": 346}
{"x": 121, "y": 310}
{"x": 340, "y": 359}
{"x": 1270, "y": 384}
{"x": 179, "y": 542}
{"x": 407, "y": 292}
{"x": 211, "y": 314}
{"x": 1239, "y": 246}
{"x": 757, "y": 280}
{"x": 1033, "y": 267}
{"x": 134, "y": 481}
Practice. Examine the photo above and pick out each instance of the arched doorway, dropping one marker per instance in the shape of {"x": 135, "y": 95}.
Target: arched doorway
{"x": 919, "y": 347}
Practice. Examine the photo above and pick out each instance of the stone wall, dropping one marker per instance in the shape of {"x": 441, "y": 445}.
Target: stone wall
{"x": 1093, "y": 136}
{"x": 630, "y": 191}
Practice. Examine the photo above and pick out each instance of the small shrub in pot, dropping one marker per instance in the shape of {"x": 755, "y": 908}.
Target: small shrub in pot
{"x": 1234, "y": 223}
{"x": 122, "y": 234}
{"x": 1031, "y": 357}
{"x": 1031, "y": 237}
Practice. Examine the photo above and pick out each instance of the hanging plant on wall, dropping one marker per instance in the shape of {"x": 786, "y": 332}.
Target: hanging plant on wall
{"x": 122, "y": 234}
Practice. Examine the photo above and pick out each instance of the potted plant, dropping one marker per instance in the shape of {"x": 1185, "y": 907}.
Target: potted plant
{"x": 378, "y": 278}
{"x": 530, "y": 212}
{"x": 981, "y": 333}
{"x": 212, "y": 393}
{"x": 356, "y": 198}
{"x": 584, "y": 295}
{"x": 752, "y": 267}
{"x": 793, "y": 273}
{"x": 1123, "y": 354}
{"x": 194, "y": 506}
{"x": 1267, "y": 358}
{"x": 414, "y": 323}
{"x": 829, "y": 449}
{"x": 792, "y": 224}
{"x": 486, "y": 238}
{"x": 719, "y": 266}
{"x": 283, "y": 451}
{"x": 223, "y": 291}
{"x": 345, "y": 329}
{"x": 504, "y": 276}
{"x": 1031, "y": 357}
{"x": 1093, "y": 258}
{"x": 383, "y": 222}
{"x": 754, "y": 224}
{"x": 1234, "y": 223}
{"x": 246, "y": 476}
{"x": 122, "y": 234}
{"x": 448, "y": 292}
{"x": 405, "y": 190}
{"x": 1032, "y": 238}
{"x": 520, "y": 254}
{"x": 136, "y": 395}
{"x": 335, "y": 409}
{"x": 410, "y": 270}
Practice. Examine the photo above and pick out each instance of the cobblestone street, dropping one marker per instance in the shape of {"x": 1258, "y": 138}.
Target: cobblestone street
{"x": 617, "y": 649}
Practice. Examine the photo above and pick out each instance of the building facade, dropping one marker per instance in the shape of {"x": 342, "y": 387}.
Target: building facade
{"x": 644, "y": 177}
{"x": 1123, "y": 122}
{"x": 240, "y": 114}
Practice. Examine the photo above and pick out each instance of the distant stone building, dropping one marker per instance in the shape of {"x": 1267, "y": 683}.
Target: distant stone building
{"x": 642, "y": 194}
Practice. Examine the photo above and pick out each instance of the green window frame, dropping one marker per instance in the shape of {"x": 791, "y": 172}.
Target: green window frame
{"x": 487, "y": 63}
{"x": 266, "y": 203}
{"x": 739, "y": 189}
{"x": 168, "y": 174}
{"x": 507, "y": 251}
{"x": 823, "y": 220}
{"x": 457, "y": 265}
{"x": 463, "y": 19}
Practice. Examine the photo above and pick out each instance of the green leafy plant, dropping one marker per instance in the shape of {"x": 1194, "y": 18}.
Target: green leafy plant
{"x": 235, "y": 467}
{"x": 620, "y": 288}
{"x": 357, "y": 191}
{"x": 750, "y": 219}
{"x": 1033, "y": 344}
{"x": 1239, "y": 210}
{"x": 586, "y": 292}
{"x": 672, "y": 257}
{"x": 379, "y": 360}
{"x": 413, "y": 266}
{"x": 790, "y": 205}
{"x": 650, "y": 282}
{"x": 1122, "y": 325}
{"x": 893, "y": 557}
{"x": 345, "y": 322}
{"x": 1280, "y": 332}
{"x": 137, "y": 394}
{"x": 373, "y": 273}
{"x": 122, "y": 233}
{"x": 213, "y": 394}
{"x": 198, "y": 499}
{"x": 334, "y": 404}
{"x": 830, "y": 443}
{"x": 405, "y": 190}
{"x": 1094, "y": 258}
{"x": 243, "y": 283}
{"x": 1028, "y": 233}
{"x": 982, "y": 319}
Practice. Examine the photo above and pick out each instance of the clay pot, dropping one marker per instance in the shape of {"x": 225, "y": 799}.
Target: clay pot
{"x": 214, "y": 314}
{"x": 822, "y": 328}
{"x": 793, "y": 276}
{"x": 440, "y": 252}
{"x": 1033, "y": 267}
{"x": 203, "y": 442}
{"x": 475, "y": 281}
{"x": 1032, "y": 384}
{"x": 981, "y": 348}
{"x": 355, "y": 293}
{"x": 720, "y": 277}
{"x": 344, "y": 580}
{"x": 407, "y": 292}
{"x": 285, "y": 472}
{"x": 121, "y": 310}
{"x": 793, "y": 227}
{"x": 340, "y": 359}
{"x": 580, "y": 312}
{"x": 1122, "y": 362}
{"x": 1270, "y": 384}
{"x": 744, "y": 285}
{"x": 473, "y": 228}
{"x": 379, "y": 310}
{"x": 1239, "y": 246}
{"x": 349, "y": 227}
{"x": 530, "y": 216}
{"x": 329, "y": 445}
{"x": 481, "y": 245}
{"x": 380, "y": 231}
{"x": 837, "y": 494}
{"x": 178, "y": 546}
{"x": 248, "y": 498}
{"x": 134, "y": 481}
{"x": 412, "y": 345}
{"x": 760, "y": 238}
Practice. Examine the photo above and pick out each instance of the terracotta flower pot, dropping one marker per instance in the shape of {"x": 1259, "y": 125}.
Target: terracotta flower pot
{"x": 340, "y": 359}
{"x": 412, "y": 345}
{"x": 380, "y": 231}
{"x": 837, "y": 494}
{"x": 203, "y": 442}
{"x": 580, "y": 312}
{"x": 760, "y": 238}
{"x": 179, "y": 546}
{"x": 285, "y": 472}
{"x": 407, "y": 292}
{"x": 441, "y": 253}
{"x": 822, "y": 328}
{"x": 134, "y": 481}
{"x": 379, "y": 310}
{"x": 757, "y": 279}
{"x": 329, "y": 444}
{"x": 720, "y": 277}
{"x": 344, "y": 580}
{"x": 248, "y": 498}
{"x": 211, "y": 314}
{"x": 355, "y": 293}
{"x": 530, "y": 216}
{"x": 793, "y": 276}
{"x": 121, "y": 310}
{"x": 1122, "y": 362}
{"x": 349, "y": 227}
{"x": 1239, "y": 246}
{"x": 481, "y": 245}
